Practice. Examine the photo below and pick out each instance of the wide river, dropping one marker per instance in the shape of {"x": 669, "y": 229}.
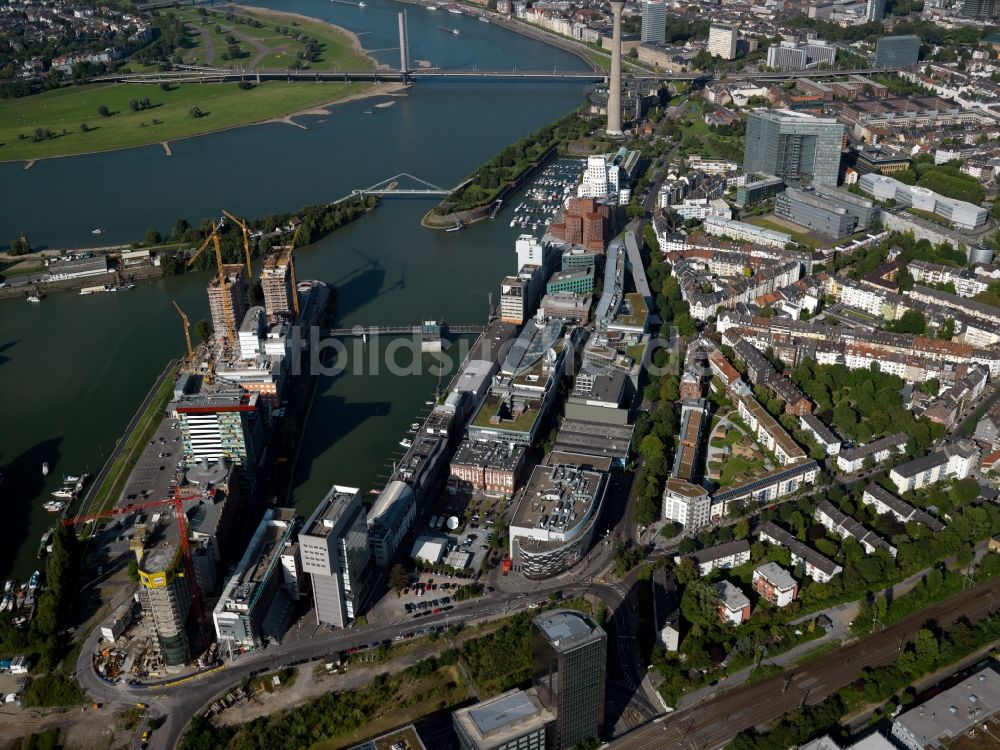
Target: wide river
{"x": 73, "y": 369}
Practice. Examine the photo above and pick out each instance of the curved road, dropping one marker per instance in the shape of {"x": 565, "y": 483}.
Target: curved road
{"x": 176, "y": 703}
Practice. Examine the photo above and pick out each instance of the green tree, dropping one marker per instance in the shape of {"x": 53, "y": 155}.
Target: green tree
{"x": 103, "y": 111}
{"x": 397, "y": 579}
{"x": 153, "y": 237}
{"x": 19, "y": 246}
{"x": 204, "y": 329}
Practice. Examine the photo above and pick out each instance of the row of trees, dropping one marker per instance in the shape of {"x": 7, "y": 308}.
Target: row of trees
{"x": 508, "y": 166}
{"x": 334, "y": 714}
{"x": 863, "y": 404}
{"x": 928, "y": 651}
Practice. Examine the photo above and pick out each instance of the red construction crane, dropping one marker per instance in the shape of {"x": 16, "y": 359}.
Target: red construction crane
{"x": 177, "y": 500}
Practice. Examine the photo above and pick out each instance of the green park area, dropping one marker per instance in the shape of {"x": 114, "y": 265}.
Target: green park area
{"x": 258, "y": 39}
{"x": 72, "y": 120}
{"x": 103, "y": 117}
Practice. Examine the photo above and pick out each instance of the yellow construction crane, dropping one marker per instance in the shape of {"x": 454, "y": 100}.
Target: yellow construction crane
{"x": 246, "y": 240}
{"x": 227, "y": 306}
{"x": 187, "y": 331}
{"x": 295, "y": 287}
{"x": 291, "y": 265}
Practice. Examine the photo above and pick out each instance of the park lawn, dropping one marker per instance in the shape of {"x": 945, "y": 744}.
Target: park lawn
{"x": 224, "y": 105}
{"x": 338, "y": 52}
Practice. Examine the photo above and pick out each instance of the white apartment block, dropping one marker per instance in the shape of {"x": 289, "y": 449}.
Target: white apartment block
{"x": 842, "y": 525}
{"x": 954, "y": 462}
{"x": 687, "y": 504}
{"x": 722, "y": 41}
{"x": 721, "y": 556}
{"x": 861, "y": 297}
{"x": 818, "y": 567}
{"x": 966, "y": 284}
{"x": 854, "y": 459}
{"x": 743, "y": 232}
{"x": 883, "y": 501}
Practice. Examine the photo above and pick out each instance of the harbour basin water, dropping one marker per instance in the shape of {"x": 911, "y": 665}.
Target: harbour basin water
{"x": 73, "y": 369}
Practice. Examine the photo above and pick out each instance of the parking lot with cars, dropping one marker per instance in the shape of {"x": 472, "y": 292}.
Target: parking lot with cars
{"x": 157, "y": 467}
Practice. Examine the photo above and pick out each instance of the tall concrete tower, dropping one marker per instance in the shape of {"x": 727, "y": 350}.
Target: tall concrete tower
{"x": 615, "y": 87}
{"x": 404, "y": 46}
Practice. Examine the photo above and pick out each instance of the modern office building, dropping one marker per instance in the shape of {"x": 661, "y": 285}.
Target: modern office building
{"x": 794, "y": 146}
{"x": 221, "y": 424}
{"x": 722, "y": 41}
{"x": 569, "y": 653}
{"x": 786, "y": 56}
{"x": 517, "y": 296}
{"x": 897, "y": 51}
{"x": 758, "y": 188}
{"x": 826, "y": 211}
{"x": 967, "y": 708}
{"x": 579, "y": 280}
{"x": 555, "y": 519}
{"x": 654, "y": 21}
{"x": 979, "y": 9}
{"x": 333, "y": 545}
{"x": 236, "y": 291}
{"x": 960, "y": 213}
{"x": 276, "y": 281}
{"x": 795, "y": 56}
{"x": 254, "y": 605}
{"x": 875, "y": 10}
{"x": 515, "y": 720}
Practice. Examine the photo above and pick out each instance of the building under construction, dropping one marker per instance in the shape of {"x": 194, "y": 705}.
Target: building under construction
{"x": 236, "y": 287}
{"x": 171, "y": 592}
{"x": 276, "y": 282}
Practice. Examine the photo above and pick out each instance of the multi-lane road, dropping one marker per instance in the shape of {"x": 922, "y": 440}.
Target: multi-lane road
{"x": 177, "y": 702}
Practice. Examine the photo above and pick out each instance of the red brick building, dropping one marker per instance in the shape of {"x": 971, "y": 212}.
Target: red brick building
{"x": 584, "y": 222}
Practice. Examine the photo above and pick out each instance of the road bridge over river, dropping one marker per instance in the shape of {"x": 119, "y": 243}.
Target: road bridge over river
{"x": 224, "y": 75}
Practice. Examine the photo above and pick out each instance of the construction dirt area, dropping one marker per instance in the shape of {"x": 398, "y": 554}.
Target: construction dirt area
{"x": 79, "y": 728}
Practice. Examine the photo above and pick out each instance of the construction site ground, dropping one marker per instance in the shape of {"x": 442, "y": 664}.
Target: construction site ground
{"x": 79, "y": 728}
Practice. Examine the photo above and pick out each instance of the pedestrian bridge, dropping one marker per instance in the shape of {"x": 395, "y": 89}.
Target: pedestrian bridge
{"x": 417, "y": 330}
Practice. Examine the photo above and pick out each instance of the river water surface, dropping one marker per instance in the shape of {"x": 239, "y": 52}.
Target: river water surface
{"x": 73, "y": 369}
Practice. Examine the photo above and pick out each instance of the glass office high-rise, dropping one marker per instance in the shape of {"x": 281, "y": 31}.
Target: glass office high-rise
{"x": 795, "y": 146}
{"x": 569, "y": 652}
{"x": 897, "y": 51}
{"x": 654, "y": 21}
{"x": 875, "y": 10}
